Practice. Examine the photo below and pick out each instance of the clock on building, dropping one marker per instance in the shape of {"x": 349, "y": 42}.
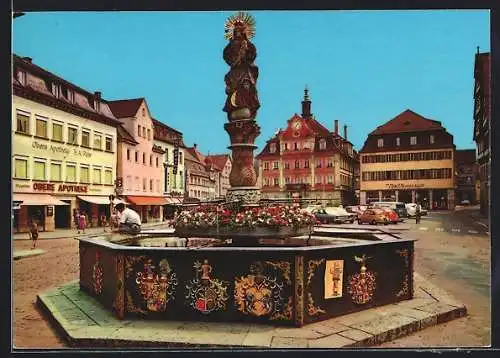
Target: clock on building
{"x": 296, "y": 125}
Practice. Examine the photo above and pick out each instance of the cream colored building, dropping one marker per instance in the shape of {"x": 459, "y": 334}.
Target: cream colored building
{"x": 409, "y": 159}
{"x": 168, "y": 139}
{"x": 63, "y": 150}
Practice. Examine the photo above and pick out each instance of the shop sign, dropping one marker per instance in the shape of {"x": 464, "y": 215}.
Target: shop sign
{"x": 68, "y": 188}
{"x": 404, "y": 186}
{"x": 61, "y": 149}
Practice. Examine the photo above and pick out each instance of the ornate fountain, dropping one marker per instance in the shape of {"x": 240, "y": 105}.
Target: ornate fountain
{"x": 241, "y": 106}
{"x": 242, "y": 260}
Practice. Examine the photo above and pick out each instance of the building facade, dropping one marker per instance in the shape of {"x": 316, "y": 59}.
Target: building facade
{"x": 201, "y": 179}
{"x": 172, "y": 143}
{"x": 139, "y": 162}
{"x": 64, "y": 142}
{"x": 307, "y": 161}
{"x": 466, "y": 175}
{"x": 482, "y": 126}
{"x": 222, "y": 166}
{"x": 410, "y": 159}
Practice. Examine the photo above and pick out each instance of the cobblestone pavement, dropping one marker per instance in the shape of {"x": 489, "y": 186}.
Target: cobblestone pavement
{"x": 457, "y": 262}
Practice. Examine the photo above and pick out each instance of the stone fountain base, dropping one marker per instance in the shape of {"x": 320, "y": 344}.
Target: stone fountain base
{"x": 250, "y": 195}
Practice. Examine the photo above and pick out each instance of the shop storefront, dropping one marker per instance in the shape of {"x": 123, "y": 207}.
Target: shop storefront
{"x": 430, "y": 199}
{"x": 173, "y": 204}
{"x": 39, "y": 208}
{"x": 149, "y": 208}
{"x": 54, "y": 205}
{"x": 95, "y": 207}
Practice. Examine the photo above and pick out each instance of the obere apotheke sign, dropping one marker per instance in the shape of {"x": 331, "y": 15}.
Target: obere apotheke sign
{"x": 67, "y": 188}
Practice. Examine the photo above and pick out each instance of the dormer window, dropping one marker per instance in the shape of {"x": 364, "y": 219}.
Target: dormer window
{"x": 21, "y": 77}
{"x": 55, "y": 90}
{"x": 432, "y": 139}
{"x": 322, "y": 144}
{"x": 413, "y": 140}
{"x": 380, "y": 142}
{"x": 398, "y": 141}
{"x": 272, "y": 148}
{"x": 97, "y": 105}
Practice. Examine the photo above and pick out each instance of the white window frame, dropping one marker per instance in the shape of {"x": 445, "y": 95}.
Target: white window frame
{"x": 413, "y": 140}
{"x": 26, "y": 159}
{"x": 380, "y": 142}
{"x": 39, "y": 160}
{"x": 70, "y": 164}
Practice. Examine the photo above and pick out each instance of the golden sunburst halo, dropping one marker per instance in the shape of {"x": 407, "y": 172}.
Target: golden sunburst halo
{"x": 240, "y": 17}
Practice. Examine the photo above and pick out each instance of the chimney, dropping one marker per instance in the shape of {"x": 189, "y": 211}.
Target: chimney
{"x": 195, "y": 145}
{"x": 306, "y": 105}
{"x": 336, "y": 126}
{"x": 345, "y": 131}
{"x": 27, "y": 59}
{"x": 97, "y": 95}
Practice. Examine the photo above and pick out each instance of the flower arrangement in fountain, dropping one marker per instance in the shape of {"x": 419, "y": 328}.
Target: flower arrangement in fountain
{"x": 276, "y": 216}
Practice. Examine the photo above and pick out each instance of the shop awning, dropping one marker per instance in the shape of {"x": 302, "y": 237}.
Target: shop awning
{"x": 36, "y": 199}
{"x": 99, "y": 199}
{"x": 173, "y": 201}
{"x": 147, "y": 200}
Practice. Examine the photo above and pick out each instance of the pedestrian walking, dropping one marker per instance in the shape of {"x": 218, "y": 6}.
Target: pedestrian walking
{"x": 417, "y": 214}
{"x": 33, "y": 233}
{"x": 102, "y": 218}
{"x": 82, "y": 222}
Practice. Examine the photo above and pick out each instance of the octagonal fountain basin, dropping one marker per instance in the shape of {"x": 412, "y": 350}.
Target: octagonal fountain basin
{"x": 289, "y": 281}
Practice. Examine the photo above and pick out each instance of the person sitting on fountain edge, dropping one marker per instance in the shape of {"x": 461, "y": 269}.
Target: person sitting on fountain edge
{"x": 130, "y": 221}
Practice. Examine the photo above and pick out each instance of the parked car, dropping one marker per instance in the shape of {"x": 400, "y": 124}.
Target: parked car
{"x": 341, "y": 215}
{"x": 398, "y": 207}
{"x": 373, "y": 216}
{"x": 355, "y": 209}
{"x": 465, "y": 202}
{"x": 312, "y": 208}
{"x": 391, "y": 215}
{"x": 411, "y": 208}
{"x": 323, "y": 217}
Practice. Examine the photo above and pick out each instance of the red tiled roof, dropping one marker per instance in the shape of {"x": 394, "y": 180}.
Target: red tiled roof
{"x": 124, "y": 135}
{"x": 317, "y": 127}
{"x": 464, "y": 156}
{"x": 407, "y": 121}
{"x": 124, "y": 108}
{"x": 218, "y": 159}
{"x": 161, "y": 124}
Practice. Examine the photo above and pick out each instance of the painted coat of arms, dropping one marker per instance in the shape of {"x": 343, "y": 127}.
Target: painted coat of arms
{"x": 206, "y": 294}
{"x": 156, "y": 289}
{"x": 97, "y": 274}
{"x": 362, "y": 285}
{"x": 257, "y": 294}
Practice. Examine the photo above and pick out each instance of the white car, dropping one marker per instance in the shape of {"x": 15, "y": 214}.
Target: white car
{"x": 411, "y": 208}
{"x": 341, "y": 215}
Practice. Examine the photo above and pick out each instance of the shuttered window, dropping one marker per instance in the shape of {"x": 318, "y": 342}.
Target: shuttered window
{"x": 84, "y": 175}
{"x": 57, "y": 132}
{"x": 108, "y": 176}
{"x": 55, "y": 171}
{"x": 96, "y": 177}
{"x": 70, "y": 173}
{"x": 39, "y": 171}
{"x": 41, "y": 128}
{"x": 21, "y": 168}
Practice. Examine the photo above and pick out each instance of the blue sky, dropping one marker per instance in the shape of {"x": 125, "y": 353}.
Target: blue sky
{"x": 362, "y": 67}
